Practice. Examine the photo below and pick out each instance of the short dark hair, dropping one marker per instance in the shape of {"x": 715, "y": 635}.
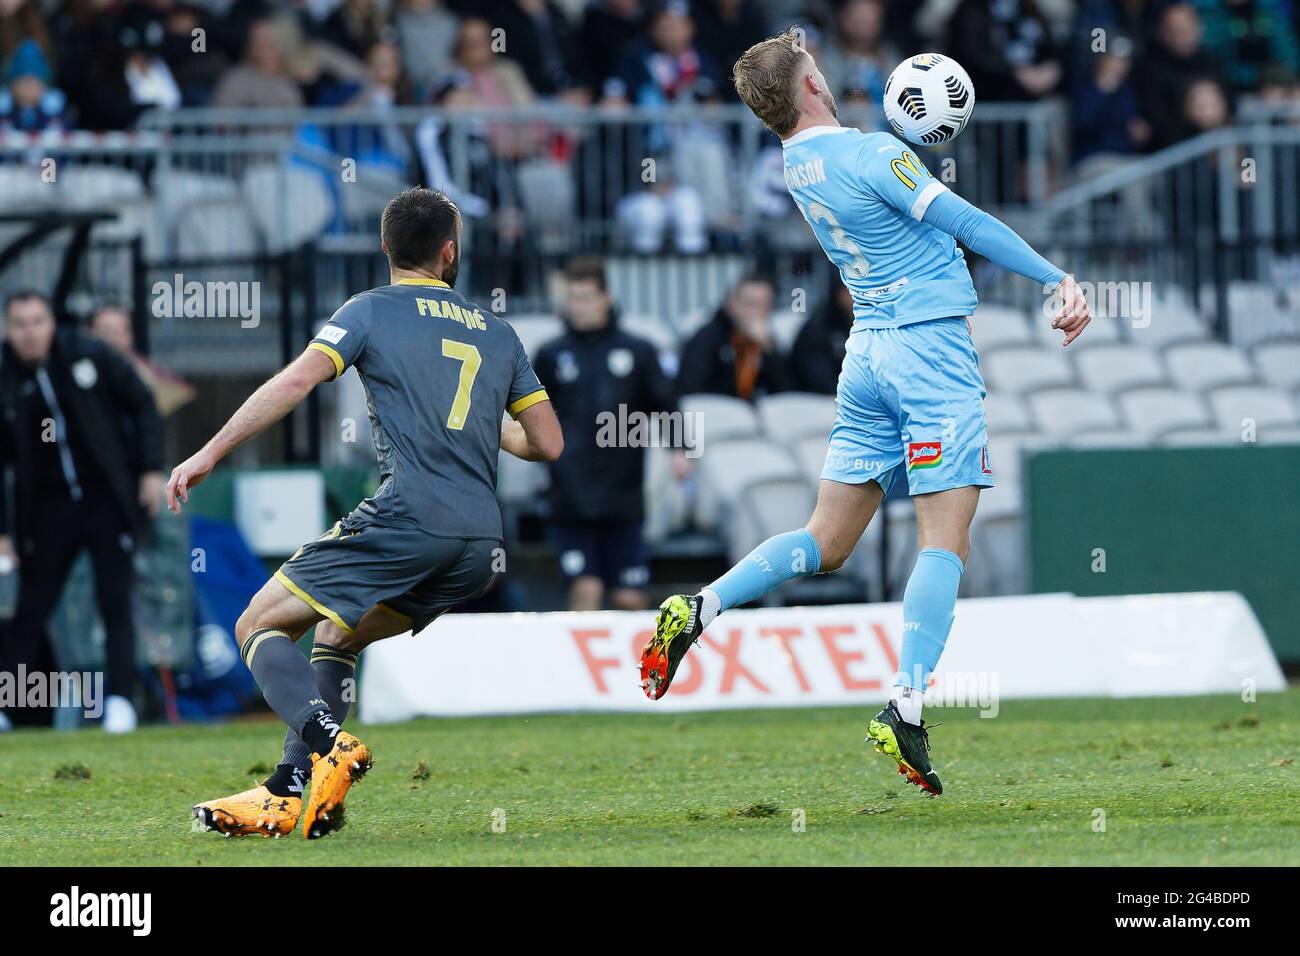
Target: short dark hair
{"x": 755, "y": 278}
{"x": 586, "y": 269}
{"x": 415, "y": 224}
{"x": 24, "y": 295}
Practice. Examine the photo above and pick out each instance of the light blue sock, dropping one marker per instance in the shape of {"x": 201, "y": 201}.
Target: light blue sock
{"x": 928, "y": 602}
{"x": 778, "y": 559}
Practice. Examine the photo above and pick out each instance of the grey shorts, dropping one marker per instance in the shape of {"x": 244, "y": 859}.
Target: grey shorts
{"x": 363, "y": 563}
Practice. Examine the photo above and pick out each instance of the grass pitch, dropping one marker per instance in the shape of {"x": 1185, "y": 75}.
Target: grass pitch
{"x": 1179, "y": 781}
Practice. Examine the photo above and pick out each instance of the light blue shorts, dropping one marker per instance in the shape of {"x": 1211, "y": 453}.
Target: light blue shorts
{"x": 911, "y": 400}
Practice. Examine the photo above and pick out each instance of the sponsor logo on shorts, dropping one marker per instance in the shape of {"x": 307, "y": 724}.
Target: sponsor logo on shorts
{"x": 924, "y": 454}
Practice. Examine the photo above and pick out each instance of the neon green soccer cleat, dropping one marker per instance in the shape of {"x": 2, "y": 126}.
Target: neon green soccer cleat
{"x": 909, "y": 744}
{"x": 676, "y": 628}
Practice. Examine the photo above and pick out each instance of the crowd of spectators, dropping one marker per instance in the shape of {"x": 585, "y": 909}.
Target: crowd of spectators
{"x": 1139, "y": 74}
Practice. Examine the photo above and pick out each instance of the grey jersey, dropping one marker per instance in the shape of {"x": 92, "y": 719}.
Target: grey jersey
{"x": 439, "y": 373}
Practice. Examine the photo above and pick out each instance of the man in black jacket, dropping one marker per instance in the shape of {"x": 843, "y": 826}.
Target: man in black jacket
{"x": 734, "y": 352}
{"x": 80, "y": 468}
{"x": 605, "y": 385}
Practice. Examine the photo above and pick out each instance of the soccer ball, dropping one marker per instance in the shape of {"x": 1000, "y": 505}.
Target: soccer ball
{"x": 928, "y": 99}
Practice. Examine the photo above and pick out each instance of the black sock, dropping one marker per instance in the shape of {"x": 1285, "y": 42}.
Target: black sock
{"x": 289, "y": 686}
{"x": 335, "y": 682}
{"x": 288, "y": 780}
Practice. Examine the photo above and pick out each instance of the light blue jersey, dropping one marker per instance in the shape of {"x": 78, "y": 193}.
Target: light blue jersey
{"x": 864, "y": 195}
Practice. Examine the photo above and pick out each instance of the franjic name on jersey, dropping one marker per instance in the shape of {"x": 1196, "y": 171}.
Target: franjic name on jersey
{"x": 446, "y": 309}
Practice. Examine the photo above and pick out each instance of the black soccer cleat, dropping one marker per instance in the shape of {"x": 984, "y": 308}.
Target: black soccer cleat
{"x": 909, "y": 744}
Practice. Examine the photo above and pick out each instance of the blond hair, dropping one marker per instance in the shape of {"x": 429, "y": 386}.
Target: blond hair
{"x": 766, "y": 77}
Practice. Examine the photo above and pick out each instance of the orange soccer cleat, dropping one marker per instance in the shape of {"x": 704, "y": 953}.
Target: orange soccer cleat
{"x": 331, "y": 777}
{"x": 257, "y": 811}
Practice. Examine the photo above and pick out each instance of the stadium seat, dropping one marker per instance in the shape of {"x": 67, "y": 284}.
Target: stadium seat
{"x": 534, "y": 331}
{"x": 1005, "y": 412}
{"x": 1266, "y": 407}
{"x": 1155, "y": 411}
{"x": 811, "y": 455}
{"x": 1278, "y": 362}
{"x": 1110, "y": 369}
{"x": 215, "y": 228}
{"x": 793, "y": 415}
{"x": 728, "y": 467}
{"x": 549, "y": 198}
{"x": 1200, "y": 366}
{"x": 766, "y": 508}
{"x": 1007, "y": 453}
{"x": 1279, "y": 436}
{"x": 651, "y": 328}
{"x": 997, "y": 550}
{"x": 1200, "y": 438}
{"x": 722, "y": 418}
{"x": 1068, "y": 411}
{"x": 94, "y": 187}
{"x": 1169, "y": 325}
{"x": 1258, "y": 311}
{"x": 22, "y": 188}
{"x": 995, "y": 327}
{"x": 1024, "y": 369}
{"x": 1116, "y": 438}
{"x": 272, "y": 190}
{"x": 785, "y": 328}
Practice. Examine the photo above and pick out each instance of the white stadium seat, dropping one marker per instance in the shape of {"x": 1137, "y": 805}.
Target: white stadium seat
{"x": 1169, "y": 324}
{"x": 728, "y": 467}
{"x": 215, "y": 228}
{"x": 1024, "y": 369}
{"x": 766, "y": 508}
{"x": 721, "y": 417}
{"x": 996, "y": 326}
{"x": 1068, "y": 411}
{"x": 1200, "y": 438}
{"x": 1006, "y": 412}
{"x": 793, "y": 415}
{"x": 1278, "y": 362}
{"x": 292, "y": 204}
{"x": 1109, "y": 439}
{"x": 651, "y": 328}
{"x": 1264, "y": 406}
{"x": 1007, "y": 453}
{"x": 534, "y": 331}
{"x": 1154, "y": 411}
{"x": 811, "y": 455}
{"x": 1201, "y": 366}
{"x": 1114, "y": 368}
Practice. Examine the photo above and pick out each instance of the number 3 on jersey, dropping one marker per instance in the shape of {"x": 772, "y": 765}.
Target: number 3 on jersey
{"x": 857, "y": 265}
{"x": 469, "y": 359}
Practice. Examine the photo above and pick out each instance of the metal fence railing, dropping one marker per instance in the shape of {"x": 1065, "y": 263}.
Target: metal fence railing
{"x": 1217, "y": 216}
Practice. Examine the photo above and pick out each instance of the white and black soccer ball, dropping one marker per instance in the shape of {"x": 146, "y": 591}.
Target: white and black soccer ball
{"x": 929, "y": 99}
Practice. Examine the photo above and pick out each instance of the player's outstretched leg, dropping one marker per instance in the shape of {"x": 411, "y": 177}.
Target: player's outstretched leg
{"x": 943, "y": 525}
{"x": 841, "y": 516}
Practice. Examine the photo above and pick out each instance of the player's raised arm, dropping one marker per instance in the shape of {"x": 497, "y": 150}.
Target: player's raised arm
{"x": 896, "y": 175}
{"x": 999, "y": 243}
{"x": 274, "y": 399}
